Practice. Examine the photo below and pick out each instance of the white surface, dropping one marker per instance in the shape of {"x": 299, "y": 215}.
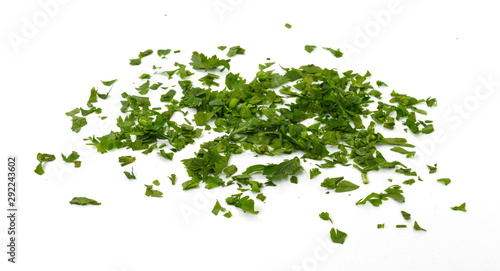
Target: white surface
{"x": 422, "y": 48}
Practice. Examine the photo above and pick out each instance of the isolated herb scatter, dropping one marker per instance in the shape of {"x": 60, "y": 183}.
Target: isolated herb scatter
{"x": 266, "y": 116}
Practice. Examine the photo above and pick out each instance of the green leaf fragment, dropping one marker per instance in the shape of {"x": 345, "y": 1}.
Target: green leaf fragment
{"x": 432, "y": 169}
{"x": 325, "y": 216}
{"x": 313, "y": 172}
{"x": 126, "y": 160}
{"x": 406, "y": 215}
{"x": 337, "y": 53}
{"x": 287, "y": 25}
{"x": 417, "y": 227}
{"x": 309, "y": 48}
{"x": 235, "y": 50}
{"x": 156, "y": 182}
{"x": 150, "y": 192}
{"x": 380, "y": 226}
{"x": 445, "y": 181}
{"x": 337, "y": 236}
{"x": 130, "y": 175}
{"x": 42, "y": 158}
{"x": 173, "y": 178}
{"x": 84, "y": 201}
{"x": 460, "y": 207}
{"x": 109, "y": 83}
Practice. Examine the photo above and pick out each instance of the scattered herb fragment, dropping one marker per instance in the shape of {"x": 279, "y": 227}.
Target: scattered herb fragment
{"x": 417, "y": 227}
{"x": 42, "y": 158}
{"x": 445, "y": 181}
{"x": 337, "y": 53}
{"x": 83, "y": 201}
{"x": 125, "y": 160}
{"x": 380, "y": 226}
{"x": 460, "y": 207}
{"x": 432, "y": 169}
{"x": 313, "y": 172}
{"x": 150, "y": 192}
{"x": 401, "y": 226}
{"x": 287, "y": 25}
{"x": 406, "y": 216}
{"x": 309, "y": 48}
{"x": 72, "y": 158}
{"x": 337, "y": 236}
{"x": 325, "y": 216}
{"x": 236, "y": 50}
{"x": 130, "y": 175}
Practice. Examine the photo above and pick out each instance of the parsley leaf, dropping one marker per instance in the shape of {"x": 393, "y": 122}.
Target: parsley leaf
{"x": 218, "y": 208}
{"x": 42, "y": 158}
{"x": 72, "y": 158}
{"x": 445, "y": 181}
{"x": 337, "y": 236}
{"x": 406, "y": 216}
{"x": 337, "y": 53}
{"x": 236, "y": 50}
{"x": 432, "y": 169}
{"x": 417, "y": 227}
{"x": 150, "y": 192}
{"x": 244, "y": 203}
{"x": 109, "y": 83}
{"x": 83, "y": 201}
{"x": 130, "y": 175}
{"x": 287, "y": 25}
{"x": 309, "y": 48}
{"x": 325, "y": 216}
{"x": 202, "y": 62}
{"x": 313, "y": 172}
{"x": 125, "y": 160}
{"x": 460, "y": 207}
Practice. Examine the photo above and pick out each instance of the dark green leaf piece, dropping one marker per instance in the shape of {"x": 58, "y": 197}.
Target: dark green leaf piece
{"x": 83, "y": 201}
{"x": 460, "y": 207}
{"x": 337, "y": 236}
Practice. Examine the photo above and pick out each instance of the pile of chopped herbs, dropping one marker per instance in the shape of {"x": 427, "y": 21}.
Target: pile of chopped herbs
{"x": 306, "y": 113}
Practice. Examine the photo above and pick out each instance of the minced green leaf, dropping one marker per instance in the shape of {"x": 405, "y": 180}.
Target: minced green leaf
{"x": 337, "y": 236}
{"x": 401, "y": 226}
{"x": 417, "y": 227}
{"x": 380, "y": 226}
{"x": 109, "y": 83}
{"x": 287, "y": 25}
{"x": 150, "y": 192}
{"x": 445, "y": 181}
{"x": 42, "y": 158}
{"x": 173, "y": 178}
{"x": 244, "y": 203}
{"x": 309, "y": 48}
{"x": 168, "y": 156}
{"x": 313, "y": 172}
{"x": 84, "y": 201}
{"x": 408, "y": 154}
{"x": 406, "y": 216}
{"x": 235, "y": 50}
{"x": 218, "y": 208}
{"x": 230, "y": 170}
{"x": 432, "y": 169}
{"x": 125, "y": 160}
{"x": 130, "y": 175}
{"x": 337, "y": 53}
{"x": 156, "y": 182}
{"x": 460, "y": 207}
{"x": 325, "y": 216}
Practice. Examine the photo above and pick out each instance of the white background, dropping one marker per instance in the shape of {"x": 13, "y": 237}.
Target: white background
{"x": 444, "y": 49}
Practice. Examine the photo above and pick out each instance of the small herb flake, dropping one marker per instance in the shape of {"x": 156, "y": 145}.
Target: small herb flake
{"x": 445, "y": 181}
{"x": 460, "y": 207}
{"x": 83, "y": 201}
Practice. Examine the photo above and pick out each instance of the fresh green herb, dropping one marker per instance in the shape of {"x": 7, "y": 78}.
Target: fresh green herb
{"x": 409, "y": 181}
{"x": 401, "y": 226}
{"x": 337, "y": 236}
{"x": 460, "y": 207}
{"x": 150, "y": 192}
{"x": 163, "y": 52}
{"x": 339, "y": 184}
{"x": 287, "y": 25}
{"x": 261, "y": 197}
{"x": 337, "y": 53}
{"x": 244, "y": 203}
{"x": 313, "y": 172}
{"x": 168, "y": 156}
{"x": 406, "y": 216}
{"x": 380, "y": 226}
{"x": 83, "y": 201}
{"x": 309, "y": 48}
{"x": 228, "y": 214}
{"x": 417, "y": 227}
{"x": 381, "y": 84}
{"x": 202, "y": 62}
{"x": 72, "y": 158}
{"x": 376, "y": 200}
{"x": 109, "y": 83}
{"x": 294, "y": 179}
{"x": 408, "y": 154}
{"x": 236, "y": 50}
{"x": 125, "y": 160}
{"x": 230, "y": 170}
{"x": 325, "y": 216}
{"x": 218, "y": 208}
{"x": 42, "y": 158}
{"x": 173, "y": 179}
{"x": 130, "y": 175}
{"x": 445, "y": 181}
{"x": 432, "y": 169}
{"x": 277, "y": 171}
{"x": 156, "y": 182}
{"x": 222, "y": 48}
